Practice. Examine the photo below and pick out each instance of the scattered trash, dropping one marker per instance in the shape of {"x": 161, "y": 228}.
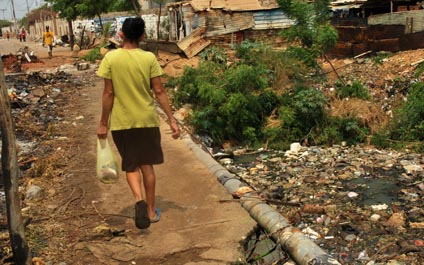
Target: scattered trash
{"x": 13, "y": 62}
{"x": 83, "y": 66}
{"x": 354, "y": 202}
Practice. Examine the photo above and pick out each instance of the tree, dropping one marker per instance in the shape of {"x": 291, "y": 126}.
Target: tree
{"x": 126, "y": 5}
{"x": 312, "y": 27}
{"x": 9, "y": 162}
{"x": 43, "y": 12}
{"x": 136, "y": 6}
{"x": 93, "y": 8}
{"x": 160, "y": 2}
{"x": 5, "y": 23}
{"x": 67, "y": 9}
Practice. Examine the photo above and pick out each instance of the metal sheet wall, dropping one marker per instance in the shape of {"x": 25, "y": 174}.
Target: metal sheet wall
{"x": 271, "y": 19}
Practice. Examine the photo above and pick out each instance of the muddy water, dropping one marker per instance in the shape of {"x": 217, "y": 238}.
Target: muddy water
{"x": 374, "y": 191}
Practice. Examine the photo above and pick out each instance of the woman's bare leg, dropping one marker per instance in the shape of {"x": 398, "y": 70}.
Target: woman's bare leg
{"x": 134, "y": 181}
{"x": 149, "y": 180}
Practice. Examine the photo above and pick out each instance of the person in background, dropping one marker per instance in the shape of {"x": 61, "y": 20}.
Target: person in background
{"x": 132, "y": 81}
{"x": 7, "y": 35}
{"x": 48, "y": 37}
{"x": 23, "y": 35}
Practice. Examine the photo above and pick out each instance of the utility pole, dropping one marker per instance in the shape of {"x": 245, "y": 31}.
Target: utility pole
{"x": 2, "y": 10}
{"x": 13, "y": 11}
{"x": 14, "y": 19}
{"x": 27, "y": 7}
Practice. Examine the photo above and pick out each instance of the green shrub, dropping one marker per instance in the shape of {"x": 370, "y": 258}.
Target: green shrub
{"x": 171, "y": 82}
{"x": 306, "y": 56}
{"x": 215, "y": 54}
{"x": 352, "y": 131}
{"x": 228, "y": 103}
{"x": 245, "y": 49}
{"x": 93, "y": 55}
{"x": 408, "y": 122}
{"x": 328, "y": 136}
{"x": 237, "y": 103}
{"x": 268, "y": 101}
{"x": 245, "y": 78}
{"x": 193, "y": 79}
{"x": 380, "y": 140}
{"x": 355, "y": 90}
{"x": 378, "y": 59}
{"x": 420, "y": 70}
{"x": 309, "y": 105}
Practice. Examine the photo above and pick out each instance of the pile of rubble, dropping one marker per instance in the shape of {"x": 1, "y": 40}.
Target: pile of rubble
{"x": 359, "y": 204}
{"x": 34, "y": 99}
{"x": 13, "y": 62}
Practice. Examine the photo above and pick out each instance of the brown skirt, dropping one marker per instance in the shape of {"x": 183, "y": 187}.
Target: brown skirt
{"x": 138, "y": 146}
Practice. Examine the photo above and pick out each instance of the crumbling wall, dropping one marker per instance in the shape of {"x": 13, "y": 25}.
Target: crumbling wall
{"x": 356, "y": 40}
{"x": 412, "y": 20}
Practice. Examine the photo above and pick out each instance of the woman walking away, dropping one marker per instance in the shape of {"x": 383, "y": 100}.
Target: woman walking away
{"x": 131, "y": 83}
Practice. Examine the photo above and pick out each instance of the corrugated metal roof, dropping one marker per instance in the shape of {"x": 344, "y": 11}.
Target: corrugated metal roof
{"x": 346, "y": 4}
{"x": 234, "y": 5}
{"x": 221, "y": 24}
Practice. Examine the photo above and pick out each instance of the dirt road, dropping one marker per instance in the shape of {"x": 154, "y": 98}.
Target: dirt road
{"x": 83, "y": 221}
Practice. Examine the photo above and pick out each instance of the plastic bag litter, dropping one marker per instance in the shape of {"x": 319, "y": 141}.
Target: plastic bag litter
{"x": 107, "y": 165}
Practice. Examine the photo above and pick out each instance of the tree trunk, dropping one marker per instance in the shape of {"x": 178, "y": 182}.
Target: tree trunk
{"x": 9, "y": 161}
{"x": 82, "y": 38}
{"x": 137, "y": 12}
{"x": 158, "y": 26}
{"x": 71, "y": 35}
{"x": 101, "y": 24}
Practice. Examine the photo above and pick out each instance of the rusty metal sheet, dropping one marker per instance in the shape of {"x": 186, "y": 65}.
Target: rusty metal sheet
{"x": 234, "y": 5}
{"x": 194, "y": 43}
{"x": 391, "y": 45}
{"x": 412, "y": 41}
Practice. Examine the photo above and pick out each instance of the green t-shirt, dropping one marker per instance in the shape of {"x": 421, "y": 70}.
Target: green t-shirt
{"x": 131, "y": 71}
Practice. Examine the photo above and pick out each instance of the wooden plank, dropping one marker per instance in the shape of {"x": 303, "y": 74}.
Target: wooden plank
{"x": 194, "y": 43}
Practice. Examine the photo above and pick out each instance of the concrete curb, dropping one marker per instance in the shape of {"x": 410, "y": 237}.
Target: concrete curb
{"x": 292, "y": 240}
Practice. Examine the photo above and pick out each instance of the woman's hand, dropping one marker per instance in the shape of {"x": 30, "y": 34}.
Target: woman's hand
{"x": 175, "y": 128}
{"x": 102, "y": 131}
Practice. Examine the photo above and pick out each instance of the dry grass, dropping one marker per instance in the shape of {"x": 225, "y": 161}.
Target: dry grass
{"x": 273, "y": 121}
{"x": 368, "y": 114}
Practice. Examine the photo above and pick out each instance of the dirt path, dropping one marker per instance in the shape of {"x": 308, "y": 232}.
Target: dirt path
{"x": 83, "y": 221}
{"x": 194, "y": 226}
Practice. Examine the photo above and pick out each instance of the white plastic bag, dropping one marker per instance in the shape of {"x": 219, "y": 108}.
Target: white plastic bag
{"x": 107, "y": 165}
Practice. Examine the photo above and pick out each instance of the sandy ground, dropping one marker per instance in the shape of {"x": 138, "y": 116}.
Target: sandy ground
{"x": 87, "y": 222}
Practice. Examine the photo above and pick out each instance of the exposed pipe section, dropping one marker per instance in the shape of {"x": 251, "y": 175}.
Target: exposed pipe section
{"x": 292, "y": 240}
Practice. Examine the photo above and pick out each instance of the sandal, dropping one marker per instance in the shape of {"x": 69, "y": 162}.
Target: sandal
{"x": 142, "y": 220}
{"x": 157, "y": 218}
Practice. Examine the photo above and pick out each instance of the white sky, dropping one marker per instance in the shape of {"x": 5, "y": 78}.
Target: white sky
{"x": 20, "y": 8}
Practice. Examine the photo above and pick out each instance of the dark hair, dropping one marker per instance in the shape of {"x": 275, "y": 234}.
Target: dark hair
{"x": 133, "y": 28}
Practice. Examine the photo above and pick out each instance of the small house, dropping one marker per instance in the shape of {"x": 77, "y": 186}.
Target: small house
{"x": 196, "y": 24}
